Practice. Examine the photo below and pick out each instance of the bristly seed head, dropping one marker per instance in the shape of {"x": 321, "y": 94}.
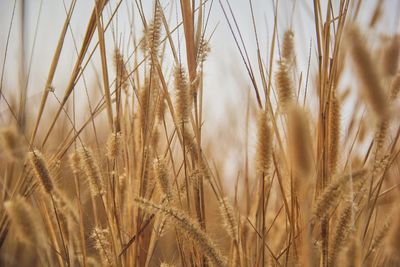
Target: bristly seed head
{"x": 264, "y": 145}
{"x": 114, "y": 146}
{"x": 288, "y": 47}
{"x": 92, "y": 171}
{"x": 41, "y": 170}
{"x": 367, "y": 72}
{"x": 182, "y": 95}
{"x": 284, "y": 86}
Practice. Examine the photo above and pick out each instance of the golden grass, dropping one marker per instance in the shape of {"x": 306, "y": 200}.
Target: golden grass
{"x": 132, "y": 180}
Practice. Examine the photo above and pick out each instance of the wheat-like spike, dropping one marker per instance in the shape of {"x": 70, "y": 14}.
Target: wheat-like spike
{"x": 121, "y": 72}
{"x": 264, "y": 145}
{"x": 74, "y": 162}
{"x": 182, "y": 94}
{"x": 155, "y": 139}
{"x": 154, "y": 32}
{"x": 148, "y": 181}
{"x": 334, "y": 191}
{"x": 189, "y": 227}
{"x": 92, "y": 171}
{"x": 284, "y": 85}
{"x": 288, "y": 47}
{"x": 64, "y": 204}
{"x": 101, "y": 238}
{"x": 145, "y": 104}
{"x": 379, "y": 142}
{"x": 203, "y": 50}
{"x": 340, "y": 234}
{"x": 10, "y": 143}
{"x": 391, "y": 57}
{"x": 63, "y": 216}
{"x": 334, "y": 133}
{"x": 114, "y": 146}
{"x": 300, "y": 141}
{"x": 27, "y": 225}
{"x": 41, "y": 170}
{"x": 162, "y": 227}
{"x": 367, "y": 73}
{"x": 381, "y": 235}
{"x": 161, "y": 108}
{"x": 229, "y": 218}
{"x": 161, "y": 171}
{"x": 380, "y": 137}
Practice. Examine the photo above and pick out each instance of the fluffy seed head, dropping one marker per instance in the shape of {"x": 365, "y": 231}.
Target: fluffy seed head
{"x": 121, "y": 72}
{"x": 335, "y": 191}
{"x": 229, "y": 218}
{"x": 288, "y": 47}
{"x": 101, "y": 238}
{"x": 203, "y": 50}
{"x": 334, "y": 134}
{"x": 10, "y": 143}
{"x": 27, "y": 226}
{"x": 182, "y": 95}
{"x": 300, "y": 143}
{"x": 189, "y": 227}
{"x": 340, "y": 234}
{"x": 161, "y": 171}
{"x": 284, "y": 86}
{"x": 370, "y": 83}
{"x": 161, "y": 108}
{"x": 114, "y": 146}
{"x": 153, "y": 34}
{"x": 39, "y": 166}
{"x": 264, "y": 145}
{"x": 74, "y": 162}
{"x": 92, "y": 171}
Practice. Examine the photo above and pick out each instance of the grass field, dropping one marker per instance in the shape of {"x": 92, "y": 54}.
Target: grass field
{"x": 117, "y": 157}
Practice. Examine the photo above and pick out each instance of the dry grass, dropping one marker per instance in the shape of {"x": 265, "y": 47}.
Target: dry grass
{"x": 132, "y": 181}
